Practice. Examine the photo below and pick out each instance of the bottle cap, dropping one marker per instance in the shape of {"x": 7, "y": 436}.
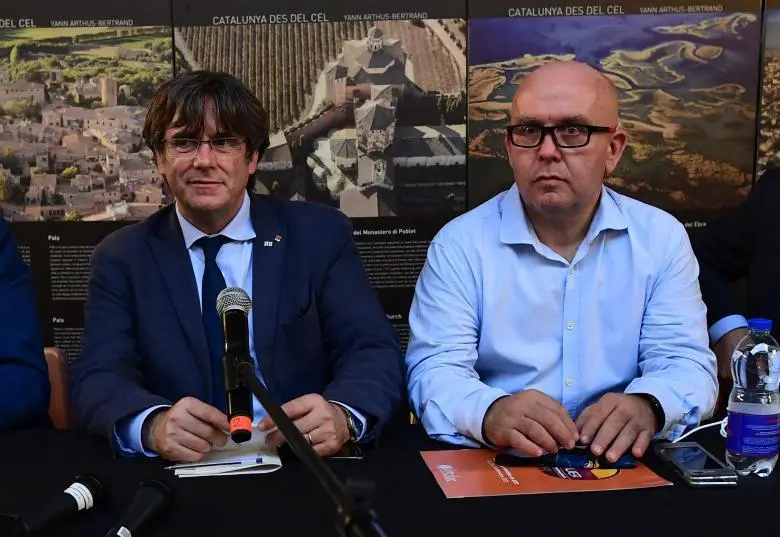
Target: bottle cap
{"x": 759, "y": 324}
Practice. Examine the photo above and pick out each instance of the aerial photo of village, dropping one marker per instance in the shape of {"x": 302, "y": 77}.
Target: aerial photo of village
{"x": 72, "y": 107}
{"x": 367, "y": 117}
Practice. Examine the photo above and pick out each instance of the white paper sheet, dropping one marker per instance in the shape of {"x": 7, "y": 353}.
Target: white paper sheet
{"x": 251, "y": 457}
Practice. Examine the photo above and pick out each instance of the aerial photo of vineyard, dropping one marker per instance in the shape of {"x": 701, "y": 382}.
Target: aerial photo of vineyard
{"x": 366, "y": 117}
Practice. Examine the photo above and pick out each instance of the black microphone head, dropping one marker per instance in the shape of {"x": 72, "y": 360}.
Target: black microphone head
{"x": 151, "y": 497}
{"x": 94, "y": 485}
{"x": 153, "y": 492}
{"x": 160, "y": 487}
{"x": 82, "y": 495}
{"x": 233, "y": 298}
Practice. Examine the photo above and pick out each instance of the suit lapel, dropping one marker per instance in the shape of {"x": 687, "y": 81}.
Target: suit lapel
{"x": 173, "y": 261}
{"x": 267, "y": 260}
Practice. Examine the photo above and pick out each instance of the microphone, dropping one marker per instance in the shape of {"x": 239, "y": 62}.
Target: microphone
{"x": 355, "y": 516}
{"x": 150, "y": 498}
{"x": 233, "y": 306}
{"x": 82, "y": 495}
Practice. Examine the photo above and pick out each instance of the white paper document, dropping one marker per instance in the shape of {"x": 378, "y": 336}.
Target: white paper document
{"x": 250, "y": 457}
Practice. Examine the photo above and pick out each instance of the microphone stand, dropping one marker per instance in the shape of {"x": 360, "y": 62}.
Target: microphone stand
{"x": 355, "y": 517}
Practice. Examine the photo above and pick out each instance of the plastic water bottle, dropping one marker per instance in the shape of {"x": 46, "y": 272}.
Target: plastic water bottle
{"x": 753, "y": 430}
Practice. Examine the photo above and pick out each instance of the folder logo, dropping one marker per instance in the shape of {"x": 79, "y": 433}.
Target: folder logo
{"x": 580, "y": 474}
{"x": 448, "y": 472}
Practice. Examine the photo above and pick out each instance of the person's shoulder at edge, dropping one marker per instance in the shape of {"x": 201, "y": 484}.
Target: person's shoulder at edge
{"x": 770, "y": 178}
{"x": 763, "y": 194}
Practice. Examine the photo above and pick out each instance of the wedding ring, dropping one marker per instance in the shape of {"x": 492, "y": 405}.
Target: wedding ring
{"x": 308, "y": 437}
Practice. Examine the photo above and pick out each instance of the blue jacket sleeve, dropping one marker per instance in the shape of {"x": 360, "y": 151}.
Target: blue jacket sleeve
{"x": 367, "y": 375}
{"x": 24, "y": 377}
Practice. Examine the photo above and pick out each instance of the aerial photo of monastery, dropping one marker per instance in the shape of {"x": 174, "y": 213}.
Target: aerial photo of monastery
{"x": 368, "y": 118}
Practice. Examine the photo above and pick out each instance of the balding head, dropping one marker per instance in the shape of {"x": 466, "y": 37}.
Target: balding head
{"x": 560, "y": 80}
{"x": 582, "y": 105}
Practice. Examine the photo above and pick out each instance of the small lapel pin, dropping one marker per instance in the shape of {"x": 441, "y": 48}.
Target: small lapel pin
{"x": 277, "y": 238}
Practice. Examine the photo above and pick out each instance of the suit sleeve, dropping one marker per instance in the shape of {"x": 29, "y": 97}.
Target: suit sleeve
{"x": 368, "y": 364}
{"x": 725, "y": 249}
{"x": 106, "y": 381}
{"x": 24, "y": 377}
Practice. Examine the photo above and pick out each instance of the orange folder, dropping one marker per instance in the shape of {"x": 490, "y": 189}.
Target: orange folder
{"x": 464, "y": 473}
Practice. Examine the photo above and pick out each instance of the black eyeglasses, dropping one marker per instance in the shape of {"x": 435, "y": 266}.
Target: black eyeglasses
{"x": 223, "y": 147}
{"x": 529, "y": 135}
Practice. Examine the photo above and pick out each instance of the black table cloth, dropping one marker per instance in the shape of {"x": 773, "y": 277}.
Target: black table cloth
{"x": 37, "y": 465}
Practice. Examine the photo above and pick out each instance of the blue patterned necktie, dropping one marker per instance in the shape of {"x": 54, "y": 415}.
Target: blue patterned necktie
{"x": 213, "y": 283}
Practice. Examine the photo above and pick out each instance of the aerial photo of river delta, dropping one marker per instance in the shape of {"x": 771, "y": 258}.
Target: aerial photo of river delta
{"x": 688, "y": 88}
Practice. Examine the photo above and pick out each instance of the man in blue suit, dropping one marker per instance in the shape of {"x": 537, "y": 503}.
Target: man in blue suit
{"x": 149, "y": 375}
{"x": 24, "y": 378}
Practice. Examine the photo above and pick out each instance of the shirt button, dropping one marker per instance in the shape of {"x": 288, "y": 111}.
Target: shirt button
{"x": 570, "y": 326}
{"x": 571, "y": 270}
{"x": 569, "y": 382}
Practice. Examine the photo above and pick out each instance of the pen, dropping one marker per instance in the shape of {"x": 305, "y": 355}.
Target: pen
{"x": 258, "y": 460}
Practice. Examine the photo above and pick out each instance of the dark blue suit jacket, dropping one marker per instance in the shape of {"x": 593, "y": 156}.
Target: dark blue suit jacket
{"x": 318, "y": 325}
{"x": 24, "y": 377}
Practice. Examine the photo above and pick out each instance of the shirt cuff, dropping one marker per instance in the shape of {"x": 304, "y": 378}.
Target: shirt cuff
{"x": 678, "y": 415}
{"x": 470, "y": 415}
{"x": 360, "y": 420}
{"x": 127, "y": 433}
{"x": 726, "y": 325}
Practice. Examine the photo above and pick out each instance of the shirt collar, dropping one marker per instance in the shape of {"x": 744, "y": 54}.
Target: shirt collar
{"x": 608, "y": 216}
{"x": 517, "y": 229}
{"x": 238, "y": 229}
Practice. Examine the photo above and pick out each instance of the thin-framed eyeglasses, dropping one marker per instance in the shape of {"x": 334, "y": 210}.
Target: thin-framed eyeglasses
{"x": 222, "y": 147}
{"x": 530, "y": 135}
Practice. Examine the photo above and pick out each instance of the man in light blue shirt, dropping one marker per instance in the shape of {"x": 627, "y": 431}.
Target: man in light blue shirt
{"x": 560, "y": 312}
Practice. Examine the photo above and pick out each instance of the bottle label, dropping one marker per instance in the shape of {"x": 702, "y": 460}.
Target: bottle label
{"x": 753, "y": 435}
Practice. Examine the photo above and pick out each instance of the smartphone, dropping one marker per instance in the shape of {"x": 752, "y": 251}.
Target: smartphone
{"x": 349, "y": 451}
{"x": 697, "y": 466}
